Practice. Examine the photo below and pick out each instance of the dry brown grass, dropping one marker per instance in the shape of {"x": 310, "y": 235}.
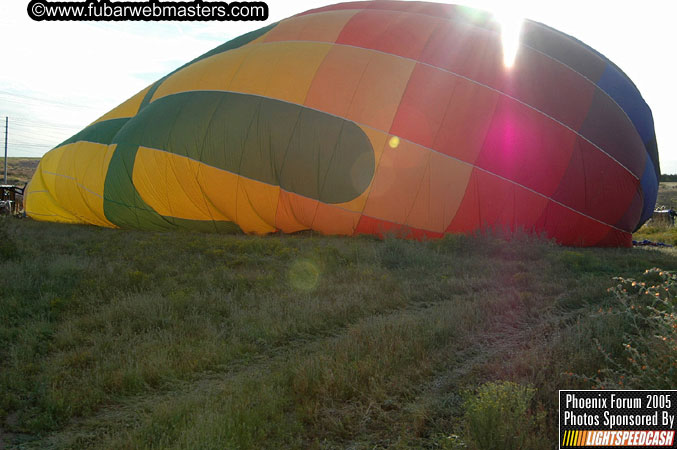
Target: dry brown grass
{"x": 19, "y": 170}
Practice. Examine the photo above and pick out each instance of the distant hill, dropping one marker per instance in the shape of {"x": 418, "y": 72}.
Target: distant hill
{"x": 19, "y": 170}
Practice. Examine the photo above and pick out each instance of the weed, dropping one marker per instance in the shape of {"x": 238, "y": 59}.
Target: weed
{"x": 648, "y": 308}
{"x": 500, "y": 416}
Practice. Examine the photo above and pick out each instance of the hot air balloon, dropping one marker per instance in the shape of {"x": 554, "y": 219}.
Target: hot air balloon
{"x": 370, "y": 117}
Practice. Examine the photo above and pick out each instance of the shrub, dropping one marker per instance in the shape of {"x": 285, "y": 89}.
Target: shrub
{"x": 499, "y": 416}
{"x": 648, "y": 307}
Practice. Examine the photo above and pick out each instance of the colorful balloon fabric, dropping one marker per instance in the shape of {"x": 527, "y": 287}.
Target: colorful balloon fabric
{"x": 370, "y": 117}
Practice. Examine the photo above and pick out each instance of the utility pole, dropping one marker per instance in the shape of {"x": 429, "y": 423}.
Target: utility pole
{"x": 6, "y": 126}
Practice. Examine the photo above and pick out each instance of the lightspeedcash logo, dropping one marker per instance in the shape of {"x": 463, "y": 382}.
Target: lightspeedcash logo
{"x": 151, "y": 10}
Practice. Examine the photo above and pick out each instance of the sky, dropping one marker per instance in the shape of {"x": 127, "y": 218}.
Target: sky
{"x": 57, "y": 77}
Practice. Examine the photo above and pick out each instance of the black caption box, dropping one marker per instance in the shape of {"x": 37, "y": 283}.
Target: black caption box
{"x": 617, "y": 419}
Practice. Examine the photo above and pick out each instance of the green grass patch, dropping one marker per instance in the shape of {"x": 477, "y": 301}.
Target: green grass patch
{"x": 128, "y": 339}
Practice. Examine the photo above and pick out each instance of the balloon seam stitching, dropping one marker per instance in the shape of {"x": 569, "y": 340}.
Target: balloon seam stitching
{"x": 74, "y": 179}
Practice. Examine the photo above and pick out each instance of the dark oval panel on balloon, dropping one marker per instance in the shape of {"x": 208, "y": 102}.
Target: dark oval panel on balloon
{"x": 260, "y": 138}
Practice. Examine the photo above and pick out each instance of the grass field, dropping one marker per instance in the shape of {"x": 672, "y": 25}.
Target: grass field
{"x": 127, "y": 339}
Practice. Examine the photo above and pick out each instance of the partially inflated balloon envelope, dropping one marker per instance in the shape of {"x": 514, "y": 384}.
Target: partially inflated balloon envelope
{"x": 370, "y": 117}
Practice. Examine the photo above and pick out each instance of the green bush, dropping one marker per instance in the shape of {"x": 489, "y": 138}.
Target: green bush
{"x": 648, "y": 307}
{"x": 500, "y": 417}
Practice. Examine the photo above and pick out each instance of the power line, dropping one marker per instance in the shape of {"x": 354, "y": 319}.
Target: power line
{"x": 15, "y": 142}
{"x": 39, "y": 133}
{"x": 25, "y": 141}
{"x": 13, "y": 146}
{"x": 36, "y": 103}
{"x": 32, "y": 144}
{"x": 32, "y": 123}
{"x": 46, "y": 131}
{"x": 31, "y": 147}
{"x": 35, "y": 144}
{"x": 42, "y": 100}
{"x": 23, "y": 152}
{"x": 22, "y": 145}
{"x": 39, "y": 137}
{"x": 36, "y": 121}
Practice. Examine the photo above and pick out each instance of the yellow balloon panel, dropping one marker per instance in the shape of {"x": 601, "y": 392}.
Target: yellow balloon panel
{"x": 281, "y": 70}
{"x": 215, "y": 72}
{"x": 176, "y": 186}
{"x": 69, "y": 184}
{"x": 127, "y": 109}
{"x": 40, "y": 205}
{"x": 169, "y": 184}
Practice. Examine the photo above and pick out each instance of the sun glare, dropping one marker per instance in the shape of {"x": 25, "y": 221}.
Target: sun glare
{"x": 511, "y": 27}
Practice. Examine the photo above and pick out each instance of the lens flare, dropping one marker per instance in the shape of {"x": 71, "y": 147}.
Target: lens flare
{"x": 304, "y": 275}
{"x": 511, "y": 28}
